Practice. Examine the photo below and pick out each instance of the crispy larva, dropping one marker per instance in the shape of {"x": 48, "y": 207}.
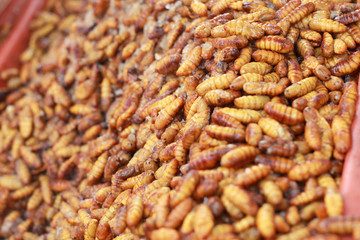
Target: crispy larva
{"x": 180, "y": 120}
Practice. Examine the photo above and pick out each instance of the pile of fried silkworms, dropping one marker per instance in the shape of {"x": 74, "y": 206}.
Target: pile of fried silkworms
{"x": 181, "y": 119}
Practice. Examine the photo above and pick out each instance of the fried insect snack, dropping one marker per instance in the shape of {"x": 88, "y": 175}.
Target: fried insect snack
{"x": 183, "y": 119}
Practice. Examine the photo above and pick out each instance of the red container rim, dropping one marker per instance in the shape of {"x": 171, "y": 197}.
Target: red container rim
{"x": 20, "y": 12}
{"x": 3, "y": 5}
{"x": 350, "y": 178}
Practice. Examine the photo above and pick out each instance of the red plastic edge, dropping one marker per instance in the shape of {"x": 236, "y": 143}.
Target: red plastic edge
{"x": 17, "y": 40}
{"x": 350, "y": 180}
{"x": 3, "y": 5}
{"x": 11, "y": 10}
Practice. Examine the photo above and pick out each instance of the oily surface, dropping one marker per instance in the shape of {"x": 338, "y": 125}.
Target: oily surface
{"x": 180, "y": 120}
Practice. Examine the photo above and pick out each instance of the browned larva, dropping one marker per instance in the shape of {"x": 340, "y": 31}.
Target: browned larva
{"x": 287, "y": 8}
{"x": 294, "y": 72}
{"x": 347, "y": 66}
{"x": 283, "y": 113}
{"x": 168, "y": 64}
{"x": 305, "y": 48}
{"x": 303, "y": 171}
{"x": 350, "y": 17}
{"x": 300, "y": 12}
{"x": 327, "y": 45}
{"x": 269, "y": 28}
{"x": 275, "y": 43}
{"x": 281, "y": 68}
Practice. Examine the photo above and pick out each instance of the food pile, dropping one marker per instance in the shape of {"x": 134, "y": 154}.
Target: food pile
{"x": 181, "y": 119}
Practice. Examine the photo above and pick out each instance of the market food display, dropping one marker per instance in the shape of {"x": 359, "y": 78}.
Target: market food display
{"x": 182, "y": 119}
